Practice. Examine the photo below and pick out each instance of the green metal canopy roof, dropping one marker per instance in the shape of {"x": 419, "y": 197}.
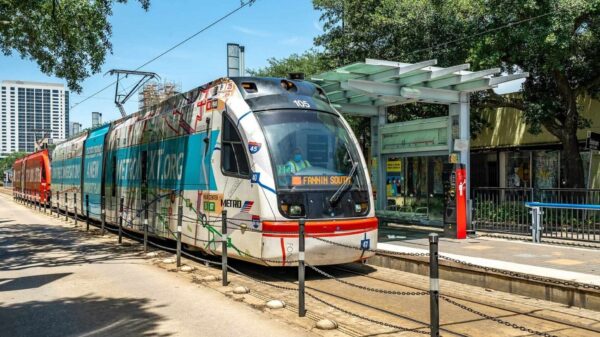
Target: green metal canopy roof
{"x": 360, "y": 88}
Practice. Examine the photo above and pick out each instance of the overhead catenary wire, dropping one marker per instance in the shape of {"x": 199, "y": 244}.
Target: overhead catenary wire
{"x": 205, "y": 28}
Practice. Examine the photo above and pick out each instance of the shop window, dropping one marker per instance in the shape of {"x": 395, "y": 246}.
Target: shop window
{"x": 414, "y": 188}
{"x": 546, "y": 169}
{"x": 518, "y": 170}
{"x": 233, "y": 155}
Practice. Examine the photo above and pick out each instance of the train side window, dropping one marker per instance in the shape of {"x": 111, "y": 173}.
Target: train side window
{"x": 233, "y": 156}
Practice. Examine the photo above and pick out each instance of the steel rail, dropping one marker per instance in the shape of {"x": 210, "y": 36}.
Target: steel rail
{"x": 529, "y": 314}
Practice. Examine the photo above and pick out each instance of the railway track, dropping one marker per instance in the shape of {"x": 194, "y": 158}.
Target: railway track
{"x": 417, "y": 308}
{"x": 409, "y": 311}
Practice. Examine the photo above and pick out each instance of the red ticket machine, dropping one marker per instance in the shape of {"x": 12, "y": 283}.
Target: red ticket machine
{"x": 455, "y": 201}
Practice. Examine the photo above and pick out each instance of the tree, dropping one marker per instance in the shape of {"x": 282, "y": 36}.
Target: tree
{"x": 310, "y": 63}
{"x": 556, "y": 41}
{"x": 67, "y": 38}
{"x": 8, "y": 161}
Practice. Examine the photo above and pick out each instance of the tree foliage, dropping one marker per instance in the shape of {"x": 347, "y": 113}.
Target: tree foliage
{"x": 310, "y": 63}
{"x": 66, "y": 38}
{"x": 7, "y": 162}
{"x": 556, "y": 41}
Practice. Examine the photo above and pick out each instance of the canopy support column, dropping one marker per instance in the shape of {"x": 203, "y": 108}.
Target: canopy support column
{"x": 378, "y": 169}
{"x": 463, "y": 110}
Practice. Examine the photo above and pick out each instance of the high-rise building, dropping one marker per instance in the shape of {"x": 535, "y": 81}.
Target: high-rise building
{"x": 30, "y": 111}
{"x": 96, "y": 119}
{"x": 75, "y": 128}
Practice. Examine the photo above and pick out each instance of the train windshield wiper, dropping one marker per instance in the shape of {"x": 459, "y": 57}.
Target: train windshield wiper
{"x": 348, "y": 182}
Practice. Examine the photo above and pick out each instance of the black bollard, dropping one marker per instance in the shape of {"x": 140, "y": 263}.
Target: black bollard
{"x": 87, "y": 212}
{"x": 66, "y": 207}
{"x": 75, "y": 207}
{"x": 179, "y": 229}
{"x": 145, "y": 228}
{"x": 301, "y": 271}
{"x": 121, "y": 221}
{"x": 434, "y": 286}
{"x": 224, "y": 246}
{"x": 102, "y": 214}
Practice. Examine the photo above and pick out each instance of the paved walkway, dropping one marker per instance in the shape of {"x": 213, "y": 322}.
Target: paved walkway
{"x": 56, "y": 281}
{"x": 564, "y": 262}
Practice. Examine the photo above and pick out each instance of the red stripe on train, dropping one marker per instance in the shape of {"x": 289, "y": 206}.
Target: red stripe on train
{"x": 321, "y": 235}
{"x": 320, "y": 227}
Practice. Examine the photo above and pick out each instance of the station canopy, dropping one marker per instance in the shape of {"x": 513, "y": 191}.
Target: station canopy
{"x": 362, "y": 88}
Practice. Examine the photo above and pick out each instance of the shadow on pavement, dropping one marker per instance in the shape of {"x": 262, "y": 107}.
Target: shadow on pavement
{"x": 38, "y": 245}
{"x": 81, "y": 316}
{"x": 29, "y": 282}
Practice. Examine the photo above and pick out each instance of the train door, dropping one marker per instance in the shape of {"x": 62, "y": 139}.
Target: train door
{"x": 240, "y": 196}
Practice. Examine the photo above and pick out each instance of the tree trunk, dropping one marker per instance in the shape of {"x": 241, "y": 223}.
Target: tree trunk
{"x": 573, "y": 174}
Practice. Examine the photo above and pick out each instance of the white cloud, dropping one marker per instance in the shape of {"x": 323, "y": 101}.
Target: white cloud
{"x": 291, "y": 41}
{"x": 252, "y": 32}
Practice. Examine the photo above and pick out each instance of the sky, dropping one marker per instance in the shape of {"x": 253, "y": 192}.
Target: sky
{"x": 268, "y": 28}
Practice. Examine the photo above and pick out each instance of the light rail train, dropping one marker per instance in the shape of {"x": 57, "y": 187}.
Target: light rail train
{"x": 268, "y": 151}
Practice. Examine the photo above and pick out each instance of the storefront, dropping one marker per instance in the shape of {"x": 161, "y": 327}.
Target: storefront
{"x": 414, "y": 188}
{"x": 521, "y": 168}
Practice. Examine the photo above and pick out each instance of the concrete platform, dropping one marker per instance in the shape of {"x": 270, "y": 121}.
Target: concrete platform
{"x": 568, "y": 275}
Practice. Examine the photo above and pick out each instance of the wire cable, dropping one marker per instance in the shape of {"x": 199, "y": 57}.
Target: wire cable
{"x": 228, "y": 14}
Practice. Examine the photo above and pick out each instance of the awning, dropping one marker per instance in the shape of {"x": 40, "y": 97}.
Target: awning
{"x": 361, "y": 88}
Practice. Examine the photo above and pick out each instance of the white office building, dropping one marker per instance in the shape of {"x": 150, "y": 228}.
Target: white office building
{"x": 30, "y": 111}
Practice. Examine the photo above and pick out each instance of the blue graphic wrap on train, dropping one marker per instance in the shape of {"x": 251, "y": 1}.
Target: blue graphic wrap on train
{"x": 92, "y": 171}
{"x": 171, "y": 163}
{"x": 67, "y": 173}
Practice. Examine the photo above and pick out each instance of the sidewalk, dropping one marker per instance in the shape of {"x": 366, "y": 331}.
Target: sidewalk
{"x": 548, "y": 260}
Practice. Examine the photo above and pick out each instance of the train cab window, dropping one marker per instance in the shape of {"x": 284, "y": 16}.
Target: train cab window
{"x": 233, "y": 156}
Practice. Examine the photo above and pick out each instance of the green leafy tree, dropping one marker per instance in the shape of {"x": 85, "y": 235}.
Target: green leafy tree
{"x": 66, "y": 38}
{"x": 310, "y": 63}
{"x": 556, "y": 41}
{"x": 8, "y": 161}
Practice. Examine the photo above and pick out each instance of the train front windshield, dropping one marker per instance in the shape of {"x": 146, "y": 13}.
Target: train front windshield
{"x": 317, "y": 166}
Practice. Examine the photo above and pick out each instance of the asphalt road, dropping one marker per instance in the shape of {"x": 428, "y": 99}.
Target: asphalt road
{"x": 55, "y": 281}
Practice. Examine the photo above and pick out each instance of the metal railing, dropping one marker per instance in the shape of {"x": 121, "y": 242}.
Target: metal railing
{"x": 503, "y": 210}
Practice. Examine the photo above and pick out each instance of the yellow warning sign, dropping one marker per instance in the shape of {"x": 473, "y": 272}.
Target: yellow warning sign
{"x": 394, "y": 165}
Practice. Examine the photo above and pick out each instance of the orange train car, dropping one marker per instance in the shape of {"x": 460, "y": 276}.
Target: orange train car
{"x": 32, "y": 177}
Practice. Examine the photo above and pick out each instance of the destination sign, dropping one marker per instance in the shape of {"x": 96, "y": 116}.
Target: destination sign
{"x": 319, "y": 180}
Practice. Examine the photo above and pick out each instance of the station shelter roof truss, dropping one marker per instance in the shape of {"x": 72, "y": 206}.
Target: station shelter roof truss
{"x": 362, "y": 88}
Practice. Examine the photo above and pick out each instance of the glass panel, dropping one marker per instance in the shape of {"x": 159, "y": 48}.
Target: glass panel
{"x": 546, "y": 169}
{"x": 240, "y": 157}
{"x": 228, "y": 161}
{"x": 310, "y": 150}
{"x": 517, "y": 169}
{"x": 414, "y": 189}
